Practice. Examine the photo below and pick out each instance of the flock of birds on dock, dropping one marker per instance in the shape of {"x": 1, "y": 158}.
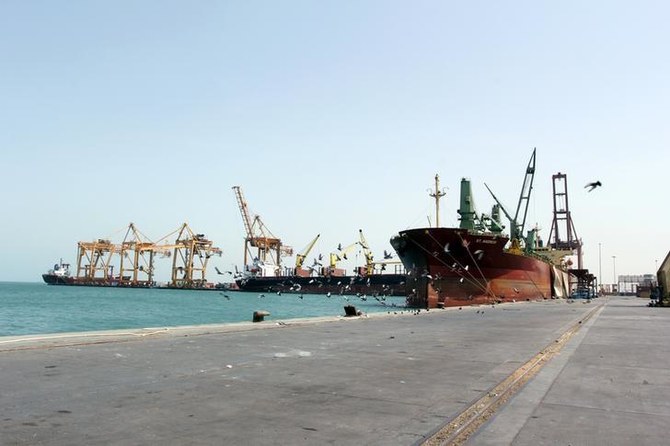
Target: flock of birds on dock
{"x": 379, "y": 297}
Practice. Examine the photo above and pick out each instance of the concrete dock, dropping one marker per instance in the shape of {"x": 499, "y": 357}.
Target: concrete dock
{"x": 389, "y": 379}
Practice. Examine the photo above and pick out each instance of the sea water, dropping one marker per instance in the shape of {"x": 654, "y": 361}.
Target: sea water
{"x": 38, "y": 308}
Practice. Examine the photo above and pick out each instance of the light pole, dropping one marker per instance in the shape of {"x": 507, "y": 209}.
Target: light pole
{"x": 614, "y": 274}
{"x": 600, "y": 265}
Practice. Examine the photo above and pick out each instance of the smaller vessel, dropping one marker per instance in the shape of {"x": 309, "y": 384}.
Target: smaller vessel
{"x": 59, "y": 275}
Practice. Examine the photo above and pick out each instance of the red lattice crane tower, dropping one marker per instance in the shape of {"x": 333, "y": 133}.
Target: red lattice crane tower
{"x": 563, "y": 235}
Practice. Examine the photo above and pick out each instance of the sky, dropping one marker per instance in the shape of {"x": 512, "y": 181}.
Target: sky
{"x": 332, "y": 116}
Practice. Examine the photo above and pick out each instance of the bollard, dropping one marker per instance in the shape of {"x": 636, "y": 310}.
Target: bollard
{"x": 350, "y": 310}
{"x": 260, "y": 315}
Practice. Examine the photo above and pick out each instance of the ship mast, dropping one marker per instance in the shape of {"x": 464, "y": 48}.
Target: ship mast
{"x": 437, "y": 195}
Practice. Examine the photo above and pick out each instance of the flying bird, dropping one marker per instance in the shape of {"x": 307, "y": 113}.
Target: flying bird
{"x": 387, "y": 255}
{"x": 217, "y": 270}
{"x": 593, "y": 185}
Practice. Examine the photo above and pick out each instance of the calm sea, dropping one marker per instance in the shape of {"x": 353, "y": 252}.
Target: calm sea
{"x": 37, "y": 308}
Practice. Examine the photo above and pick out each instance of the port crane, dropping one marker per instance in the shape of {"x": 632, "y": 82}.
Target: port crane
{"x": 337, "y": 256}
{"x": 135, "y": 257}
{"x": 369, "y": 258}
{"x": 190, "y": 255}
{"x": 94, "y": 260}
{"x": 302, "y": 255}
{"x": 269, "y": 249}
{"x": 134, "y": 267}
{"x": 517, "y": 223}
{"x": 341, "y": 254}
{"x": 563, "y": 236}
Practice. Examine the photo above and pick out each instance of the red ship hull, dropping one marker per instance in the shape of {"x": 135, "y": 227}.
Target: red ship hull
{"x": 454, "y": 267}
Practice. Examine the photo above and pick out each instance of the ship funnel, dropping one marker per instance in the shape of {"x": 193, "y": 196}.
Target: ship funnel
{"x": 467, "y": 207}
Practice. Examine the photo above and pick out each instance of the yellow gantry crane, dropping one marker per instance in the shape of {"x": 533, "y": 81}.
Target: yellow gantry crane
{"x": 134, "y": 267}
{"x": 190, "y": 252}
{"x": 190, "y": 255}
{"x": 94, "y": 260}
{"x": 269, "y": 249}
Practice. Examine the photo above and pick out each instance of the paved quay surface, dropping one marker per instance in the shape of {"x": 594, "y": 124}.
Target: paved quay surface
{"x": 388, "y": 379}
{"x": 609, "y": 386}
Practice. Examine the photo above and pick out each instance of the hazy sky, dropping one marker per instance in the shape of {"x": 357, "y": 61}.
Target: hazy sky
{"x": 333, "y": 116}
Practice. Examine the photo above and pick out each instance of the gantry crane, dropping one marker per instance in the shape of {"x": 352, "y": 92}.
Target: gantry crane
{"x": 133, "y": 249}
{"x": 97, "y": 267}
{"x": 191, "y": 253}
{"x": 269, "y": 249}
{"x": 563, "y": 236}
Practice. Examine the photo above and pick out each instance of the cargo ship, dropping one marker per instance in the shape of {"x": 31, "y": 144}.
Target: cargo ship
{"x": 59, "y": 275}
{"x": 475, "y": 263}
{"x": 369, "y": 280}
{"x": 264, "y": 270}
{"x": 373, "y": 285}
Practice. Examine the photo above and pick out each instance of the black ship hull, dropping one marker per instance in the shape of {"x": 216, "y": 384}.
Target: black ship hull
{"x": 375, "y": 284}
{"x": 53, "y": 279}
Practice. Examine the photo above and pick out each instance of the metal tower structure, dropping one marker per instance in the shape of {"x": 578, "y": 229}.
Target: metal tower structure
{"x": 437, "y": 194}
{"x": 94, "y": 260}
{"x": 189, "y": 261}
{"x": 134, "y": 268}
{"x": 563, "y": 235}
{"x": 269, "y": 248}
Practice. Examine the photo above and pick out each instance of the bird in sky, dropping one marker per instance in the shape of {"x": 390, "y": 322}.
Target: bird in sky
{"x": 593, "y": 185}
{"x": 387, "y": 255}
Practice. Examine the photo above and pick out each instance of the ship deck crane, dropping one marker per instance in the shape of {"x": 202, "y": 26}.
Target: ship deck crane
{"x": 337, "y": 256}
{"x": 369, "y": 258}
{"x": 302, "y": 255}
{"x": 269, "y": 249}
{"x": 516, "y": 226}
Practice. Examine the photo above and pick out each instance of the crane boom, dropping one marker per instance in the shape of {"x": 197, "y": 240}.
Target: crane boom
{"x": 516, "y": 227}
{"x": 242, "y": 203}
{"x": 336, "y": 257}
{"x": 269, "y": 248}
{"x": 301, "y": 256}
{"x": 369, "y": 258}
{"x": 524, "y": 198}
